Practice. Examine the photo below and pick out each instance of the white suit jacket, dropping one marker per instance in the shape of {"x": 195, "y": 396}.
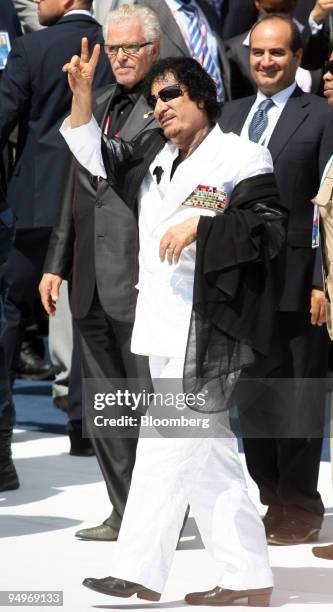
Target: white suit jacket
{"x": 201, "y": 185}
{"x": 165, "y": 292}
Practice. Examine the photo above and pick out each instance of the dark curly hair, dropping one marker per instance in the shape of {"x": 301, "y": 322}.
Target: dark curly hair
{"x": 187, "y": 72}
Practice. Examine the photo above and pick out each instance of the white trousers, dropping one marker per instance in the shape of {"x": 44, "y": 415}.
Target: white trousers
{"x": 206, "y": 473}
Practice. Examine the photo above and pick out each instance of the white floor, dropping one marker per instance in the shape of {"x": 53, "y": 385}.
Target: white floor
{"x": 59, "y": 494}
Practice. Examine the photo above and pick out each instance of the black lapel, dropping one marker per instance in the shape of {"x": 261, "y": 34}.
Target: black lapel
{"x": 294, "y": 113}
{"x": 102, "y": 104}
{"x": 139, "y": 119}
{"x": 152, "y": 143}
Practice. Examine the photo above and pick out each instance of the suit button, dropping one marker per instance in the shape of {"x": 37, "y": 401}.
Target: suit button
{"x": 99, "y": 204}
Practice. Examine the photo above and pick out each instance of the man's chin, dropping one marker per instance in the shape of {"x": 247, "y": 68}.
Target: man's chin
{"x": 48, "y": 21}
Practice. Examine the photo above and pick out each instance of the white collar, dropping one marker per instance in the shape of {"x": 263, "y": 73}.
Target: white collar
{"x": 78, "y": 12}
{"x": 280, "y": 98}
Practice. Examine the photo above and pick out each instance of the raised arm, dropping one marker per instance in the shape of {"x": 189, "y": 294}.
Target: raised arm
{"x": 81, "y": 71}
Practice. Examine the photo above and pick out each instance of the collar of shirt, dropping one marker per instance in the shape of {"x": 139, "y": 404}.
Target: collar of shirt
{"x": 79, "y": 12}
{"x": 280, "y": 100}
{"x": 133, "y": 94}
{"x": 246, "y": 41}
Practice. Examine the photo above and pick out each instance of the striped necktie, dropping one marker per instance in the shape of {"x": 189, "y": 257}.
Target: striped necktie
{"x": 259, "y": 121}
{"x": 197, "y": 33}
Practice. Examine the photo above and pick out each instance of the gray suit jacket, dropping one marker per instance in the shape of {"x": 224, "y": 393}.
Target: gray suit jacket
{"x": 95, "y": 241}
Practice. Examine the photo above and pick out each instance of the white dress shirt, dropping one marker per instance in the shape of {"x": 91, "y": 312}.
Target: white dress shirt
{"x": 280, "y": 100}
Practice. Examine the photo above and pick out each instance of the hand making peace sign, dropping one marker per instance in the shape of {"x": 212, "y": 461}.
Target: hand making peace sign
{"x": 81, "y": 69}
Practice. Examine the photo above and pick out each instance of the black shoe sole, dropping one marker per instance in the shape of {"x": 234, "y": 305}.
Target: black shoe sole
{"x": 142, "y": 593}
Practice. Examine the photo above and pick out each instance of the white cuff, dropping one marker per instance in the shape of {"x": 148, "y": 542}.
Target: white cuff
{"x": 85, "y": 143}
{"x": 314, "y": 26}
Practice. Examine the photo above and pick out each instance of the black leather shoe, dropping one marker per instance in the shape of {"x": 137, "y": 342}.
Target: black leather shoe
{"x": 120, "y": 588}
{"x": 293, "y": 531}
{"x": 272, "y": 519}
{"x": 8, "y": 477}
{"x": 224, "y": 597}
{"x": 80, "y": 447}
{"x": 31, "y": 366}
{"x": 104, "y": 533}
{"x": 323, "y": 552}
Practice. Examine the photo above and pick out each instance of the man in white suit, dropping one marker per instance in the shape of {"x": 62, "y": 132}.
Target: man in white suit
{"x": 183, "y": 186}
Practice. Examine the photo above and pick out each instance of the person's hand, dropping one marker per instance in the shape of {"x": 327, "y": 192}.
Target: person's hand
{"x": 321, "y": 10}
{"x": 81, "y": 69}
{"x": 176, "y": 238}
{"x": 318, "y": 315}
{"x": 49, "y": 292}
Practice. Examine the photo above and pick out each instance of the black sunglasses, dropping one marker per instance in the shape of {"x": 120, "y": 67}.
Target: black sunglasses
{"x": 166, "y": 94}
{"x": 329, "y": 66}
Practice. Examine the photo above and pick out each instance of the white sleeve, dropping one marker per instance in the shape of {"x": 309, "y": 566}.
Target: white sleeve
{"x": 314, "y": 26}
{"x": 257, "y": 160}
{"x": 85, "y": 144}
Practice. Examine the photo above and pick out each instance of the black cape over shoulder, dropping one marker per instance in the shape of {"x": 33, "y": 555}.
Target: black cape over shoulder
{"x": 236, "y": 290}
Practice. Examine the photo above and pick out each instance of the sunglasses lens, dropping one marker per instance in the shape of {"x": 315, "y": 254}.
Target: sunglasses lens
{"x": 170, "y": 93}
{"x": 166, "y": 94}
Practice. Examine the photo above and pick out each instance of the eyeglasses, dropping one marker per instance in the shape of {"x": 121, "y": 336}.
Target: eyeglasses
{"x": 130, "y": 49}
{"x": 329, "y": 67}
{"x": 166, "y": 94}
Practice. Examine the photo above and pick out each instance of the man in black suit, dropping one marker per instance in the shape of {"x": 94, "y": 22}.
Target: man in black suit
{"x": 99, "y": 233}
{"x": 297, "y": 129}
{"x": 34, "y": 93}
{"x": 9, "y": 25}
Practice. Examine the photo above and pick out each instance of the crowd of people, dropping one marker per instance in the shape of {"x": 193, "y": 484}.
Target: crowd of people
{"x": 171, "y": 179}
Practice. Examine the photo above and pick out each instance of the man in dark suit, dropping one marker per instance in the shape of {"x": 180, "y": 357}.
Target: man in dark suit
{"x": 242, "y": 82}
{"x": 98, "y": 232}
{"x": 296, "y": 128}
{"x": 9, "y": 25}
{"x": 34, "y": 93}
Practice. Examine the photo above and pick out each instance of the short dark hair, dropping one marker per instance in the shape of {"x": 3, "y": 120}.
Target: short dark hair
{"x": 187, "y": 71}
{"x": 295, "y": 40}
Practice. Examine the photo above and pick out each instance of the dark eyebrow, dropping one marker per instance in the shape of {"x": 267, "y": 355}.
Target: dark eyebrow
{"x": 275, "y": 49}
